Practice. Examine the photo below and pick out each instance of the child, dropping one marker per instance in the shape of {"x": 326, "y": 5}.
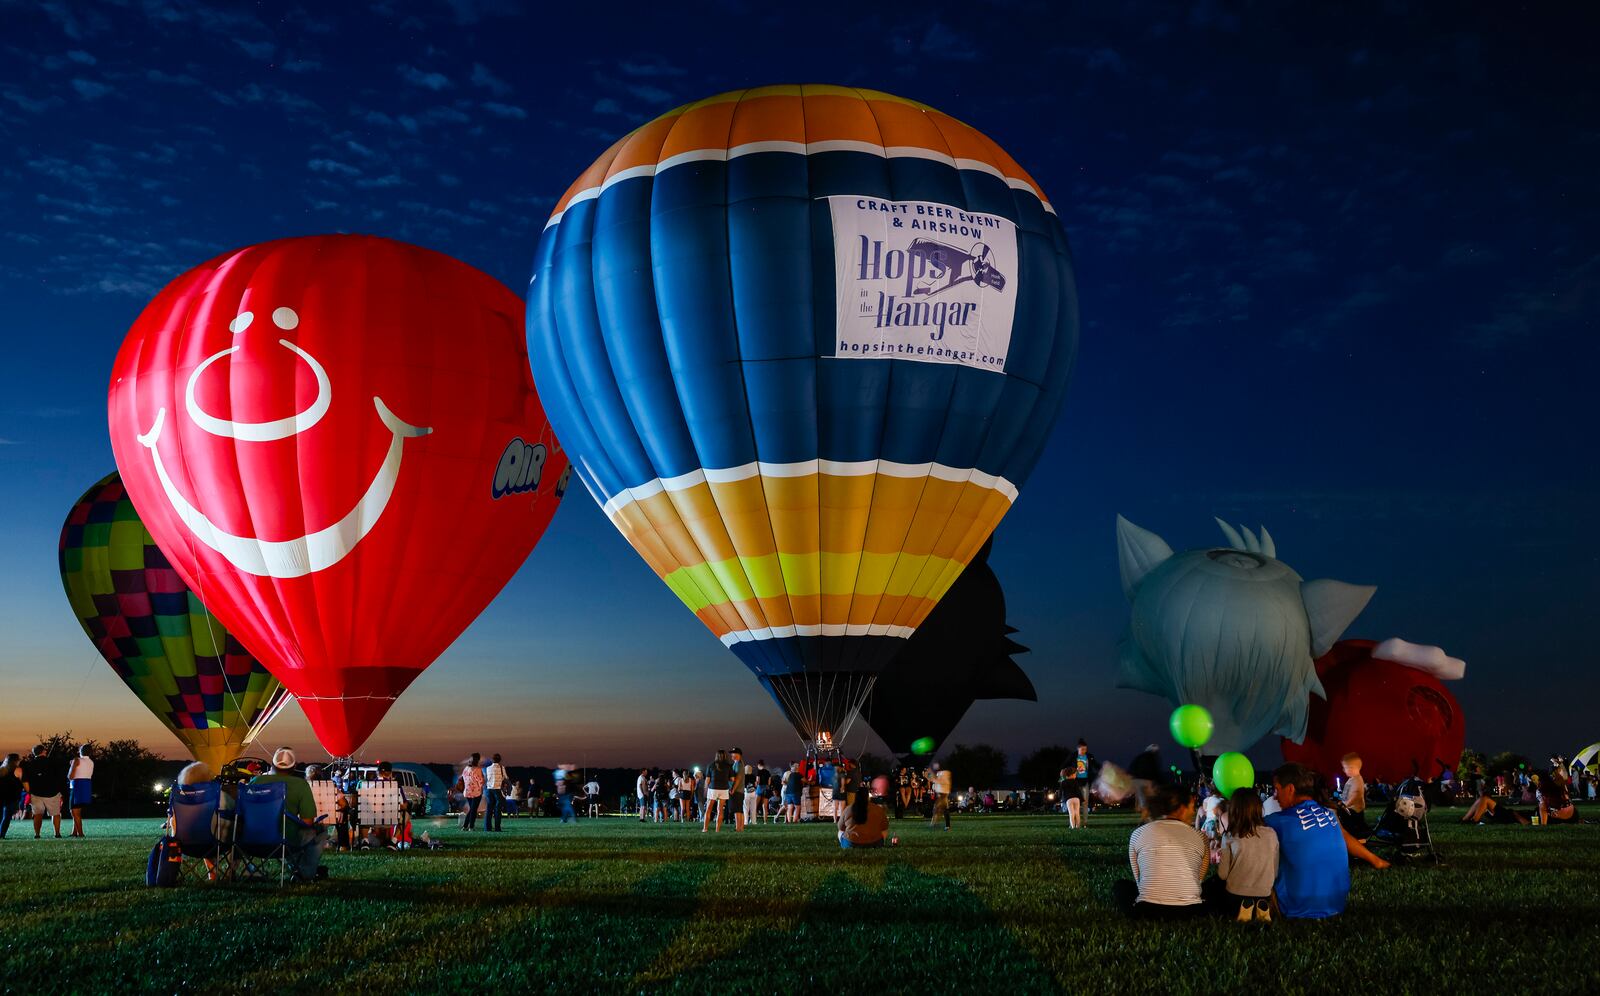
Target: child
{"x": 1247, "y": 864}
{"x": 1353, "y": 799}
{"x": 1210, "y": 820}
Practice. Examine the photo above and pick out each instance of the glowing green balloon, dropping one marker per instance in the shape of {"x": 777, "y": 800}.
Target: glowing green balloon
{"x": 1232, "y": 771}
{"x": 1191, "y": 725}
{"x": 923, "y": 745}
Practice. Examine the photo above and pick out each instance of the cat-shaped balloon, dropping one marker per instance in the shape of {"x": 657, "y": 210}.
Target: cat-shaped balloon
{"x": 1232, "y": 629}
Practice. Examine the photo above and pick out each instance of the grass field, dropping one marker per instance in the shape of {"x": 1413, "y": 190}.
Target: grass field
{"x": 1019, "y": 904}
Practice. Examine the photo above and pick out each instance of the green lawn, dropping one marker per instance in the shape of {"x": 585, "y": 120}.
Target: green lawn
{"x": 1015, "y": 904}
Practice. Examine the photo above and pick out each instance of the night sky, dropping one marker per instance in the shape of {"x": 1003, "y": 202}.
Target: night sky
{"x": 1339, "y": 275}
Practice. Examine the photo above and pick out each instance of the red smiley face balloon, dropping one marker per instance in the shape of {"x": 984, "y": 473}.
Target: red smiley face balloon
{"x": 336, "y": 441}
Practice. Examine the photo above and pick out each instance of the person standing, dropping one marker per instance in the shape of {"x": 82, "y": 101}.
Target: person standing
{"x": 564, "y": 797}
{"x": 591, "y": 795}
{"x": 471, "y": 791}
{"x": 763, "y": 794}
{"x": 1353, "y": 798}
{"x": 1147, "y": 773}
{"x": 10, "y": 791}
{"x": 940, "y": 782}
{"x": 1078, "y": 799}
{"x": 686, "y": 796}
{"x": 792, "y": 786}
{"x": 80, "y": 773}
{"x": 903, "y": 794}
{"x": 641, "y": 785}
{"x": 42, "y": 779}
{"x": 736, "y": 790}
{"x": 719, "y": 781}
{"x": 494, "y": 790}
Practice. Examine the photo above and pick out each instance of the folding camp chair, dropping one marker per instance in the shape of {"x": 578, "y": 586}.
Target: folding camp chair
{"x": 262, "y": 825}
{"x": 193, "y": 816}
{"x": 380, "y": 804}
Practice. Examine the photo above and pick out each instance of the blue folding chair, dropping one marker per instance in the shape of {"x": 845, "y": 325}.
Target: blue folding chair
{"x": 192, "y": 813}
{"x": 262, "y": 824}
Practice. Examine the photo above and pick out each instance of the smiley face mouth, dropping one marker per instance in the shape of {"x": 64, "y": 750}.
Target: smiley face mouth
{"x": 313, "y": 551}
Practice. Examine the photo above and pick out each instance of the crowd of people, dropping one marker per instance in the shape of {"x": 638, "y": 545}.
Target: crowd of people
{"x": 40, "y": 787}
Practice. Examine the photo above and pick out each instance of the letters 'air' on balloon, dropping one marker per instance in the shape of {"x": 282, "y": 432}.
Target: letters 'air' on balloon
{"x": 184, "y": 666}
{"x": 336, "y": 441}
{"x": 1232, "y": 771}
{"x": 804, "y": 344}
{"x": 1190, "y": 725}
{"x": 1232, "y": 629}
{"x": 1387, "y": 702}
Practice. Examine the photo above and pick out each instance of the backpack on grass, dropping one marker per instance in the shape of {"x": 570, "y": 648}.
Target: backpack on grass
{"x": 166, "y": 860}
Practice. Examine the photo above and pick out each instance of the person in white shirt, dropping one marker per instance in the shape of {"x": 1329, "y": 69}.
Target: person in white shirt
{"x": 79, "y": 773}
{"x": 639, "y": 788}
{"x": 494, "y": 786}
{"x": 591, "y": 795}
{"x": 1169, "y": 858}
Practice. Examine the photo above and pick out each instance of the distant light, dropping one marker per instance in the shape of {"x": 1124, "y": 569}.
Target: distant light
{"x": 160, "y": 786}
{"x": 1052, "y": 795}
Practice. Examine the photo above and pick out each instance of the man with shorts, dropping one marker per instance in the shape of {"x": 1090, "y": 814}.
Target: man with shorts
{"x": 719, "y": 779}
{"x": 44, "y": 781}
{"x": 792, "y": 785}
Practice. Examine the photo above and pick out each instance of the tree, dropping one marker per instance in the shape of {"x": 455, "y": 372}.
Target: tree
{"x": 1471, "y": 763}
{"x": 1507, "y": 763}
{"x": 124, "y": 770}
{"x": 1043, "y": 767}
{"x": 979, "y": 766}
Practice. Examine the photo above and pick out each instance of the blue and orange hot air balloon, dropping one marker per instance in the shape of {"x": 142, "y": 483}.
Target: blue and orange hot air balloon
{"x": 804, "y": 343}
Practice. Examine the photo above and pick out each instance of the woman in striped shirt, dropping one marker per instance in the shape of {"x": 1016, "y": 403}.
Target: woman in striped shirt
{"x": 1169, "y": 858}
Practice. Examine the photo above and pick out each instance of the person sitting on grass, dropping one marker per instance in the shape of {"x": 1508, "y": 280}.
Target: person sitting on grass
{"x": 1313, "y": 866}
{"x": 1353, "y": 798}
{"x": 1247, "y": 862}
{"x": 1168, "y": 856}
{"x": 1555, "y": 802}
{"x": 1488, "y": 809}
{"x": 863, "y": 823}
{"x": 305, "y": 849}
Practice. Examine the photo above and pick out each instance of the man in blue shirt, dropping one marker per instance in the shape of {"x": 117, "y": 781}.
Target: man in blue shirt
{"x": 1313, "y": 866}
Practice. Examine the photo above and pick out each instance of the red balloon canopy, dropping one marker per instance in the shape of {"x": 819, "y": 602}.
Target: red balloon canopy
{"x": 336, "y": 441}
{"x": 1398, "y": 718}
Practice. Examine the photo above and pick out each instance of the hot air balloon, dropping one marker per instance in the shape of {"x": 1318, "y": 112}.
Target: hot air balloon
{"x": 1387, "y": 702}
{"x": 336, "y": 441}
{"x": 805, "y": 343}
{"x": 184, "y": 666}
{"x": 961, "y": 653}
{"x": 1232, "y": 629}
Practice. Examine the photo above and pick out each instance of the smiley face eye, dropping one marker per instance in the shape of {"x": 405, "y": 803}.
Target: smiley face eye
{"x": 285, "y": 318}
{"x": 240, "y": 322}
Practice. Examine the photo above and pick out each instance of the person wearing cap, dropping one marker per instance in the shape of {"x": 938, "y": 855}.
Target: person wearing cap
{"x": 306, "y": 856}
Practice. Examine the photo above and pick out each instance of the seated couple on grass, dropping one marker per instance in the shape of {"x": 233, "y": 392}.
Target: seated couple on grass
{"x": 1554, "y": 801}
{"x": 1298, "y": 855}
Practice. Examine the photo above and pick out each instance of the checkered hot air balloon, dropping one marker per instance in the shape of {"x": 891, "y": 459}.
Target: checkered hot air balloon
{"x": 804, "y": 344}
{"x": 174, "y": 654}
